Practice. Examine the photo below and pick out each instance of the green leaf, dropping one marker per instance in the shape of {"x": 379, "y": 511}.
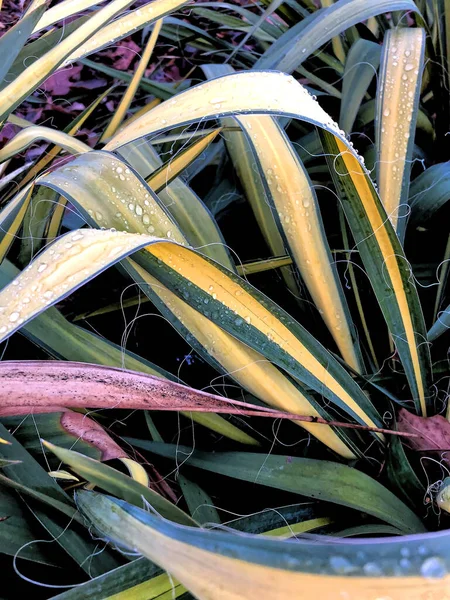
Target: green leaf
{"x": 66, "y": 341}
{"x": 428, "y": 193}
{"x": 75, "y": 541}
{"x": 117, "y": 483}
{"x": 398, "y": 96}
{"x": 301, "y": 40}
{"x": 223, "y": 565}
{"x": 200, "y": 504}
{"x": 139, "y": 580}
{"x": 319, "y": 479}
{"x": 361, "y": 65}
{"x": 15, "y": 38}
{"x": 68, "y": 263}
{"x": 402, "y": 475}
{"x": 386, "y": 265}
{"x": 11, "y": 219}
{"x": 17, "y": 530}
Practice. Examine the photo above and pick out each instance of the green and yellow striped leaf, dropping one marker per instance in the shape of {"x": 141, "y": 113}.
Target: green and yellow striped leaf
{"x": 117, "y": 483}
{"x": 304, "y": 38}
{"x": 395, "y": 123}
{"x": 385, "y": 262}
{"x": 296, "y": 208}
{"x": 32, "y": 76}
{"x": 111, "y": 195}
{"x": 318, "y": 479}
{"x": 11, "y": 219}
{"x": 65, "y": 265}
{"x": 219, "y": 565}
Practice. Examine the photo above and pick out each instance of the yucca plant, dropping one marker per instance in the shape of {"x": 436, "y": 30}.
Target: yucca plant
{"x": 308, "y": 285}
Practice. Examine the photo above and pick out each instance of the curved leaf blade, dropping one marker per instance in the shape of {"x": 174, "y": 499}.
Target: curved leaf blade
{"x": 68, "y": 263}
{"x": 396, "y": 114}
{"x": 294, "y": 46}
{"x": 319, "y": 479}
{"x": 385, "y": 262}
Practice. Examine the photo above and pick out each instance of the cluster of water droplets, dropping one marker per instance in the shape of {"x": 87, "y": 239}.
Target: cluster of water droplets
{"x": 410, "y": 560}
{"x": 128, "y": 204}
{"x": 64, "y": 266}
{"x": 397, "y": 112}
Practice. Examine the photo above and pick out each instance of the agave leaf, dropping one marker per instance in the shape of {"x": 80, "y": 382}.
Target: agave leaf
{"x": 403, "y": 477}
{"x": 101, "y": 180}
{"x": 245, "y": 92}
{"x": 186, "y": 208}
{"x": 30, "y": 135}
{"x": 395, "y": 123}
{"x": 255, "y": 192}
{"x": 223, "y": 565}
{"x": 11, "y": 219}
{"x": 170, "y": 170}
{"x": 65, "y": 341}
{"x": 361, "y": 65}
{"x": 441, "y": 325}
{"x": 124, "y": 26}
{"x": 117, "y": 483}
{"x": 16, "y": 37}
{"x": 255, "y": 320}
{"x": 384, "y": 260}
{"x": 68, "y": 263}
{"x": 63, "y": 10}
{"x": 248, "y": 367}
{"x": 199, "y": 503}
{"x": 295, "y": 202}
{"x": 259, "y": 266}
{"x": 300, "y": 41}
{"x": 73, "y": 540}
{"x": 159, "y": 89}
{"x": 428, "y": 193}
{"x": 31, "y": 77}
{"x": 138, "y": 580}
{"x": 16, "y": 530}
{"x": 320, "y": 479}
{"x": 127, "y": 98}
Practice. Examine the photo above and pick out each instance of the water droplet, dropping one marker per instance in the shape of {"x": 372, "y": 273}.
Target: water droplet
{"x": 146, "y": 219}
{"x": 409, "y": 67}
{"x": 386, "y": 112}
{"x": 77, "y": 236}
{"x": 151, "y": 229}
{"x": 433, "y": 568}
{"x": 139, "y": 210}
{"x": 340, "y": 564}
{"x": 2, "y": 329}
{"x": 42, "y": 267}
{"x": 372, "y": 569}
{"x": 131, "y": 206}
{"x": 13, "y": 317}
{"x": 48, "y": 294}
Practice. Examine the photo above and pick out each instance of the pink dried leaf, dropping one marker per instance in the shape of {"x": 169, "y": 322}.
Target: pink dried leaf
{"x": 433, "y": 433}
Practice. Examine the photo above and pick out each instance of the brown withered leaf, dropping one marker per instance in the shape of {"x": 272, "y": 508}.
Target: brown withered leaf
{"x": 433, "y": 433}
